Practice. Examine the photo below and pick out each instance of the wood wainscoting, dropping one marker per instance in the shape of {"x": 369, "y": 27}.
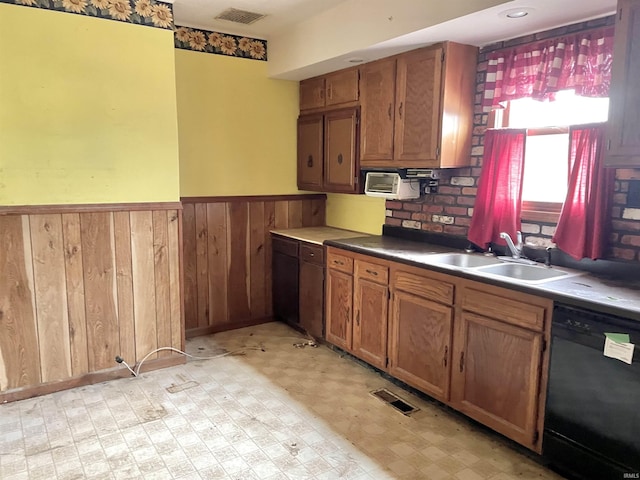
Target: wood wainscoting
{"x": 227, "y": 256}
{"x": 81, "y": 284}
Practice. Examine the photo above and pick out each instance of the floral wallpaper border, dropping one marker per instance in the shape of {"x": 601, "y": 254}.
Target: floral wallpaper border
{"x": 150, "y": 13}
{"x": 198, "y": 40}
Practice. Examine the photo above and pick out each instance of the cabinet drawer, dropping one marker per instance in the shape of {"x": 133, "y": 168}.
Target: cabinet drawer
{"x": 286, "y": 246}
{"x": 312, "y": 254}
{"x": 372, "y": 271}
{"x": 340, "y": 262}
{"x": 423, "y": 287}
{"x": 511, "y": 311}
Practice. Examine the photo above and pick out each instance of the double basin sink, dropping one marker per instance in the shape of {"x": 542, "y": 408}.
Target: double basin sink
{"x": 493, "y": 266}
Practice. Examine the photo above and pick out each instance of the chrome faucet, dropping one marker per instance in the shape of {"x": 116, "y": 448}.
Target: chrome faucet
{"x": 516, "y": 250}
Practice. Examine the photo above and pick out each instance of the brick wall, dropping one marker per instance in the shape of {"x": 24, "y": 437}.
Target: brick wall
{"x": 450, "y": 210}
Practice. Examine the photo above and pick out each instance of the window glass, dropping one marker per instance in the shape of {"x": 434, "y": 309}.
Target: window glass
{"x": 546, "y": 168}
{"x": 567, "y": 109}
{"x": 546, "y": 161}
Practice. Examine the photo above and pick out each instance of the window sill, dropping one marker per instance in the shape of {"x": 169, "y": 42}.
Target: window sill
{"x": 540, "y": 216}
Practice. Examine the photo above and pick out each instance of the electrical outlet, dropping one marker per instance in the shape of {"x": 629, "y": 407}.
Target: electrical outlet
{"x": 633, "y": 195}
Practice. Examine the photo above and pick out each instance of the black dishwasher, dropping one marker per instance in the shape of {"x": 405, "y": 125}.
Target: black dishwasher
{"x": 592, "y": 419}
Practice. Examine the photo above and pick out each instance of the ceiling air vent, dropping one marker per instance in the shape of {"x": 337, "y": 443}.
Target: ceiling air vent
{"x": 240, "y": 16}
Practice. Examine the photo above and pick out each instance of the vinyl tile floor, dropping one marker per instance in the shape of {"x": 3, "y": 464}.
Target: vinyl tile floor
{"x": 269, "y": 411}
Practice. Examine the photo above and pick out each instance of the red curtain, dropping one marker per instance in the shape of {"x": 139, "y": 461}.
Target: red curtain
{"x": 583, "y": 226}
{"x": 581, "y": 62}
{"x": 498, "y": 202}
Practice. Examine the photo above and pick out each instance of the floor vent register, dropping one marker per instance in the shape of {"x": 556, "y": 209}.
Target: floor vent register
{"x": 395, "y": 401}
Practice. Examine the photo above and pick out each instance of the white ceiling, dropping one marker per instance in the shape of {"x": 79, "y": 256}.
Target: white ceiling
{"x": 314, "y": 22}
{"x": 280, "y": 14}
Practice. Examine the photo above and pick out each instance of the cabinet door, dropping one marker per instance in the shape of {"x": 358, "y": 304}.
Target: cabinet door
{"x": 341, "y": 151}
{"x": 377, "y": 97}
{"x": 370, "y": 303}
{"x": 624, "y": 108}
{"x": 312, "y": 93}
{"x": 417, "y": 120}
{"x": 339, "y": 308}
{"x": 285, "y": 287}
{"x": 420, "y": 343}
{"x": 341, "y": 87}
{"x": 310, "y": 152}
{"x": 311, "y": 298}
{"x": 496, "y": 374}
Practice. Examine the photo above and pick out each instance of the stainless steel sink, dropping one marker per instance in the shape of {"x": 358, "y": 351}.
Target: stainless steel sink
{"x": 524, "y": 273}
{"x": 463, "y": 260}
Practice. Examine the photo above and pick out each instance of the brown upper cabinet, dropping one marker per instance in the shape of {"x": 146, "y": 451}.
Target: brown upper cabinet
{"x": 623, "y": 137}
{"x": 310, "y": 152}
{"x": 417, "y": 108}
{"x": 333, "y": 90}
{"x": 328, "y": 151}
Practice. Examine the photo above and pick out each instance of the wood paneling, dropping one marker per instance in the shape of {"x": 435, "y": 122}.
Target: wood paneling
{"x": 162, "y": 283}
{"x": 51, "y": 297}
{"x": 103, "y": 336}
{"x": 144, "y": 283}
{"x": 174, "y": 229}
{"x": 202, "y": 265}
{"x": 75, "y": 293}
{"x": 238, "y": 275}
{"x": 19, "y": 352}
{"x": 257, "y": 265}
{"x": 124, "y": 283}
{"x": 79, "y": 288}
{"x": 217, "y": 251}
{"x": 190, "y": 265}
{"x": 231, "y": 243}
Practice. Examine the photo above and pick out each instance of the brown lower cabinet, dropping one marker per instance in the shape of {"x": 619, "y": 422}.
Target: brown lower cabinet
{"x": 311, "y": 289}
{"x": 420, "y": 338}
{"x": 499, "y": 353}
{"x": 298, "y": 284}
{"x": 370, "y": 301}
{"x": 476, "y": 347}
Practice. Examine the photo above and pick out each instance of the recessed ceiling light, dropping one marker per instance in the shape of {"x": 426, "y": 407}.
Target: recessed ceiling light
{"x": 516, "y": 12}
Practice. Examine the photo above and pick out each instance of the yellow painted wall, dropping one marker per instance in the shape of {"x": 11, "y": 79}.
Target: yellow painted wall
{"x": 87, "y": 110}
{"x": 237, "y": 128}
{"x": 355, "y": 212}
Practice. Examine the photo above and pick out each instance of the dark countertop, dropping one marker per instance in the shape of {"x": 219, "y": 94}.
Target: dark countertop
{"x": 581, "y": 289}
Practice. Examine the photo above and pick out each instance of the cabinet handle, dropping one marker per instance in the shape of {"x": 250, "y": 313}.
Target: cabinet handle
{"x": 311, "y": 254}
{"x": 321, "y": 94}
{"x": 461, "y": 361}
{"x": 358, "y": 318}
{"x": 340, "y": 159}
{"x": 310, "y": 161}
{"x": 338, "y": 262}
{"x": 372, "y": 272}
{"x": 400, "y": 110}
{"x": 389, "y": 112}
{"x": 329, "y": 92}
{"x": 446, "y": 352}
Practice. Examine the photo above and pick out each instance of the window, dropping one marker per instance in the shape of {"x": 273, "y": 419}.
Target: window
{"x": 546, "y": 164}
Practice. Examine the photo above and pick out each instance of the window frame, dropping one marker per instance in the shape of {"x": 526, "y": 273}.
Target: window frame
{"x": 544, "y": 212}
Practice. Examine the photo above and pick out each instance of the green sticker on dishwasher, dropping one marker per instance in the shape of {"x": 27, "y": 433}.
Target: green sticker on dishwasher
{"x": 618, "y": 337}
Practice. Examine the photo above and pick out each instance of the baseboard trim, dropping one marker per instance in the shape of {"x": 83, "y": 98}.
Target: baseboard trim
{"x": 88, "y": 379}
{"x": 200, "y": 331}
